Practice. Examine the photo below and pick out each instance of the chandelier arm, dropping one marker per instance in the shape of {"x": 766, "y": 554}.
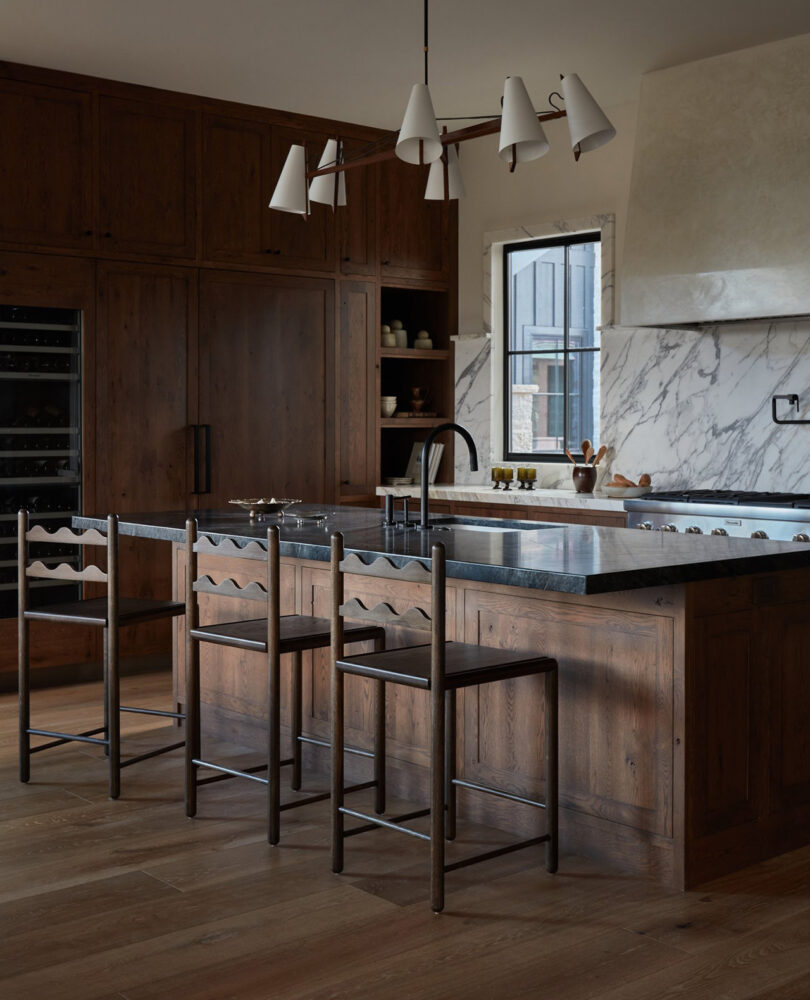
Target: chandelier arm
{"x": 489, "y": 127}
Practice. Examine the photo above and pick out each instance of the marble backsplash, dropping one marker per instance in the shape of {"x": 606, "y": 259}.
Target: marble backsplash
{"x": 692, "y": 408}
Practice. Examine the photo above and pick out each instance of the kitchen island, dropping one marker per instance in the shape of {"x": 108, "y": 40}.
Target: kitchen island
{"x": 683, "y": 698}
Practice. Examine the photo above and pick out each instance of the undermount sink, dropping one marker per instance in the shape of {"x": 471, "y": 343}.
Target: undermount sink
{"x": 491, "y": 529}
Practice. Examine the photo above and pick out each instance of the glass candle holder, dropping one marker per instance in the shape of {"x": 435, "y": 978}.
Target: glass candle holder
{"x": 507, "y": 474}
{"x": 496, "y": 475}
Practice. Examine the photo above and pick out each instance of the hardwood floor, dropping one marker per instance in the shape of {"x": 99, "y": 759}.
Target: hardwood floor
{"x": 130, "y": 899}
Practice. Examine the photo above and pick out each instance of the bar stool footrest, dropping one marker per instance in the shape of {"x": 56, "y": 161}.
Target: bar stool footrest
{"x": 61, "y": 738}
{"x": 395, "y": 823}
{"x": 328, "y": 746}
{"x": 498, "y": 792}
{"x": 152, "y": 753}
{"x": 488, "y": 855}
{"x": 151, "y": 711}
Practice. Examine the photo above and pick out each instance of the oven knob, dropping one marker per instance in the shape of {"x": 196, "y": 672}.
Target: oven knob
{"x": 668, "y": 527}
{"x": 801, "y": 537}
{"x": 759, "y": 534}
{"x": 719, "y": 531}
{"x": 693, "y": 529}
{"x": 645, "y": 526}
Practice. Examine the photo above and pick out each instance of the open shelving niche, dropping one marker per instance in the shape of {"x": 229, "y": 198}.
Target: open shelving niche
{"x": 40, "y": 440}
{"x": 401, "y": 369}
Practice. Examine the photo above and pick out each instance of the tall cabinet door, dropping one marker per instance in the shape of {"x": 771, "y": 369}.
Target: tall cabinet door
{"x": 355, "y": 390}
{"x": 265, "y": 348}
{"x": 148, "y": 170}
{"x": 146, "y": 325}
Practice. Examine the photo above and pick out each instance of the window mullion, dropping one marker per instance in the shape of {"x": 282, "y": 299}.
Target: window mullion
{"x": 566, "y": 404}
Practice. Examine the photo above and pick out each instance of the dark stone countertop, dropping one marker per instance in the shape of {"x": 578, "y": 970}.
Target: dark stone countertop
{"x": 573, "y": 559}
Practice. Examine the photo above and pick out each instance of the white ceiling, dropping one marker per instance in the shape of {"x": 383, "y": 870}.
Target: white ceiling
{"x": 356, "y": 59}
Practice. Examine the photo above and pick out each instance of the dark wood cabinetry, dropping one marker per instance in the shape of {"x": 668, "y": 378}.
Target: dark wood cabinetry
{"x": 147, "y": 176}
{"x": 46, "y": 166}
{"x": 412, "y": 244}
{"x": 355, "y": 370}
{"x": 357, "y": 221}
{"x": 264, "y": 359}
{"x": 236, "y": 167}
{"x": 214, "y": 309}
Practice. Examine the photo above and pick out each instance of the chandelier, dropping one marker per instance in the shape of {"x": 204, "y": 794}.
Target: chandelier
{"x": 419, "y": 141}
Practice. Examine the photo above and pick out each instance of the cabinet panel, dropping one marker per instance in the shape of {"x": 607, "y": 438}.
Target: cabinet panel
{"x": 413, "y": 233}
{"x": 294, "y": 241}
{"x": 354, "y": 390}
{"x": 46, "y": 165}
{"x": 615, "y": 762}
{"x": 357, "y": 227}
{"x": 236, "y": 156}
{"x": 147, "y": 177}
{"x": 264, "y": 385}
{"x": 789, "y": 633}
{"x": 146, "y": 319}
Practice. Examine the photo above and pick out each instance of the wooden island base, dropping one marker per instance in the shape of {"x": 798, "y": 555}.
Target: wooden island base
{"x": 684, "y": 744}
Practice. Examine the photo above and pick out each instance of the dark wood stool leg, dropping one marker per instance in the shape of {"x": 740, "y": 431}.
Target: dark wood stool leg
{"x": 193, "y": 742}
{"x": 379, "y": 736}
{"x": 113, "y": 702}
{"x": 437, "y": 778}
{"x": 274, "y": 751}
{"x": 336, "y": 739}
{"x": 551, "y": 771}
{"x": 24, "y": 689}
{"x": 295, "y": 722}
{"x": 106, "y": 675}
{"x": 450, "y": 764}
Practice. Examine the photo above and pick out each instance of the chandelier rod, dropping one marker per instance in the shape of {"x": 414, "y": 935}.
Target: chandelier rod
{"x": 488, "y": 127}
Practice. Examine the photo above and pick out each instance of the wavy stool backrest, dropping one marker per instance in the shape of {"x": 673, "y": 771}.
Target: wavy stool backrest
{"x": 383, "y": 567}
{"x": 91, "y": 573}
{"x": 264, "y": 590}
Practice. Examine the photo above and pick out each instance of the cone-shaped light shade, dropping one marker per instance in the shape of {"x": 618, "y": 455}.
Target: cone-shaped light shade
{"x": 290, "y": 194}
{"x": 587, "y": 122}
{"x": 455, "y": 185}
{"x": 519, "y": 125}
{"x": 419, "y": 126}
{"x": 329, "y": 189}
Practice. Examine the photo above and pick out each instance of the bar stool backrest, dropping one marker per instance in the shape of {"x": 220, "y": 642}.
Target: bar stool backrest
{"x": 264, "y": 588}
{"x": 36, "y": 569}
{"x": 412, "y": 571}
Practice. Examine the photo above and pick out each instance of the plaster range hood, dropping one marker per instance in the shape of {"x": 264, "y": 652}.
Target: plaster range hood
{"x": 718, "y": 225}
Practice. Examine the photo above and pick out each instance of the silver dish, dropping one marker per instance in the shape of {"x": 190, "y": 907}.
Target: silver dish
{"x": 259, "y": 506}
{"x": 308, "y": 516}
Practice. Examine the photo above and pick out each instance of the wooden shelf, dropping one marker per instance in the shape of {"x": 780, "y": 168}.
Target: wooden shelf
{"x": 414, "y": 422}
{"x": 412, "y": 352}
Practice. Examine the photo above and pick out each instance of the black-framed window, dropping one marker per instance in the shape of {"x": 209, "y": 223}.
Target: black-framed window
{"x": 552, "y": 299}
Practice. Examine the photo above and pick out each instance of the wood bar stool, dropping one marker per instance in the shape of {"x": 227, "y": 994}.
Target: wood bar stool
{"x": 108, "y": 613}
{"x": 274, "y": 635}
{"x": 441, "y": 668}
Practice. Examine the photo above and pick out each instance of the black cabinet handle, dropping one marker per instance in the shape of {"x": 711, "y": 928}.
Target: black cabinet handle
{"x": 207, "y": 429}
{"x": 196, "y": 429}
{"x": 108, "y": 235}
{"x": 385, "y": 261}
{"x": 88, "y": 232}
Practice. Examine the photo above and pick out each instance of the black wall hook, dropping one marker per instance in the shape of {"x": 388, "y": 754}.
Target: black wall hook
{"x": 793, "y": 399}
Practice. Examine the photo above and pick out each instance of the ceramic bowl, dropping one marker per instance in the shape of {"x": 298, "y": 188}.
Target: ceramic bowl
{"x": 627, "y": 492}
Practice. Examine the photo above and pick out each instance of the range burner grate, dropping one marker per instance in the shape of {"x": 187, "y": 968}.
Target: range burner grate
{"x": 734, "y": 497}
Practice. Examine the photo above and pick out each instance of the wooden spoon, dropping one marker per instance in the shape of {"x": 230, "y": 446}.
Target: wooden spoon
{"x": 600, "y": 455}
{"x": 586, "y": 447}
{"x": 568, "y": 453}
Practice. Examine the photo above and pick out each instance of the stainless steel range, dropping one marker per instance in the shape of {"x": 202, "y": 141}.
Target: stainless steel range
{"x": 781, "y": 516}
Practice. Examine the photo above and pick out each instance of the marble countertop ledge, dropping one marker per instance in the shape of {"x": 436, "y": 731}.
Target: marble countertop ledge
{"x": 538, "y": 497}
{"x": 568, "y": 558}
